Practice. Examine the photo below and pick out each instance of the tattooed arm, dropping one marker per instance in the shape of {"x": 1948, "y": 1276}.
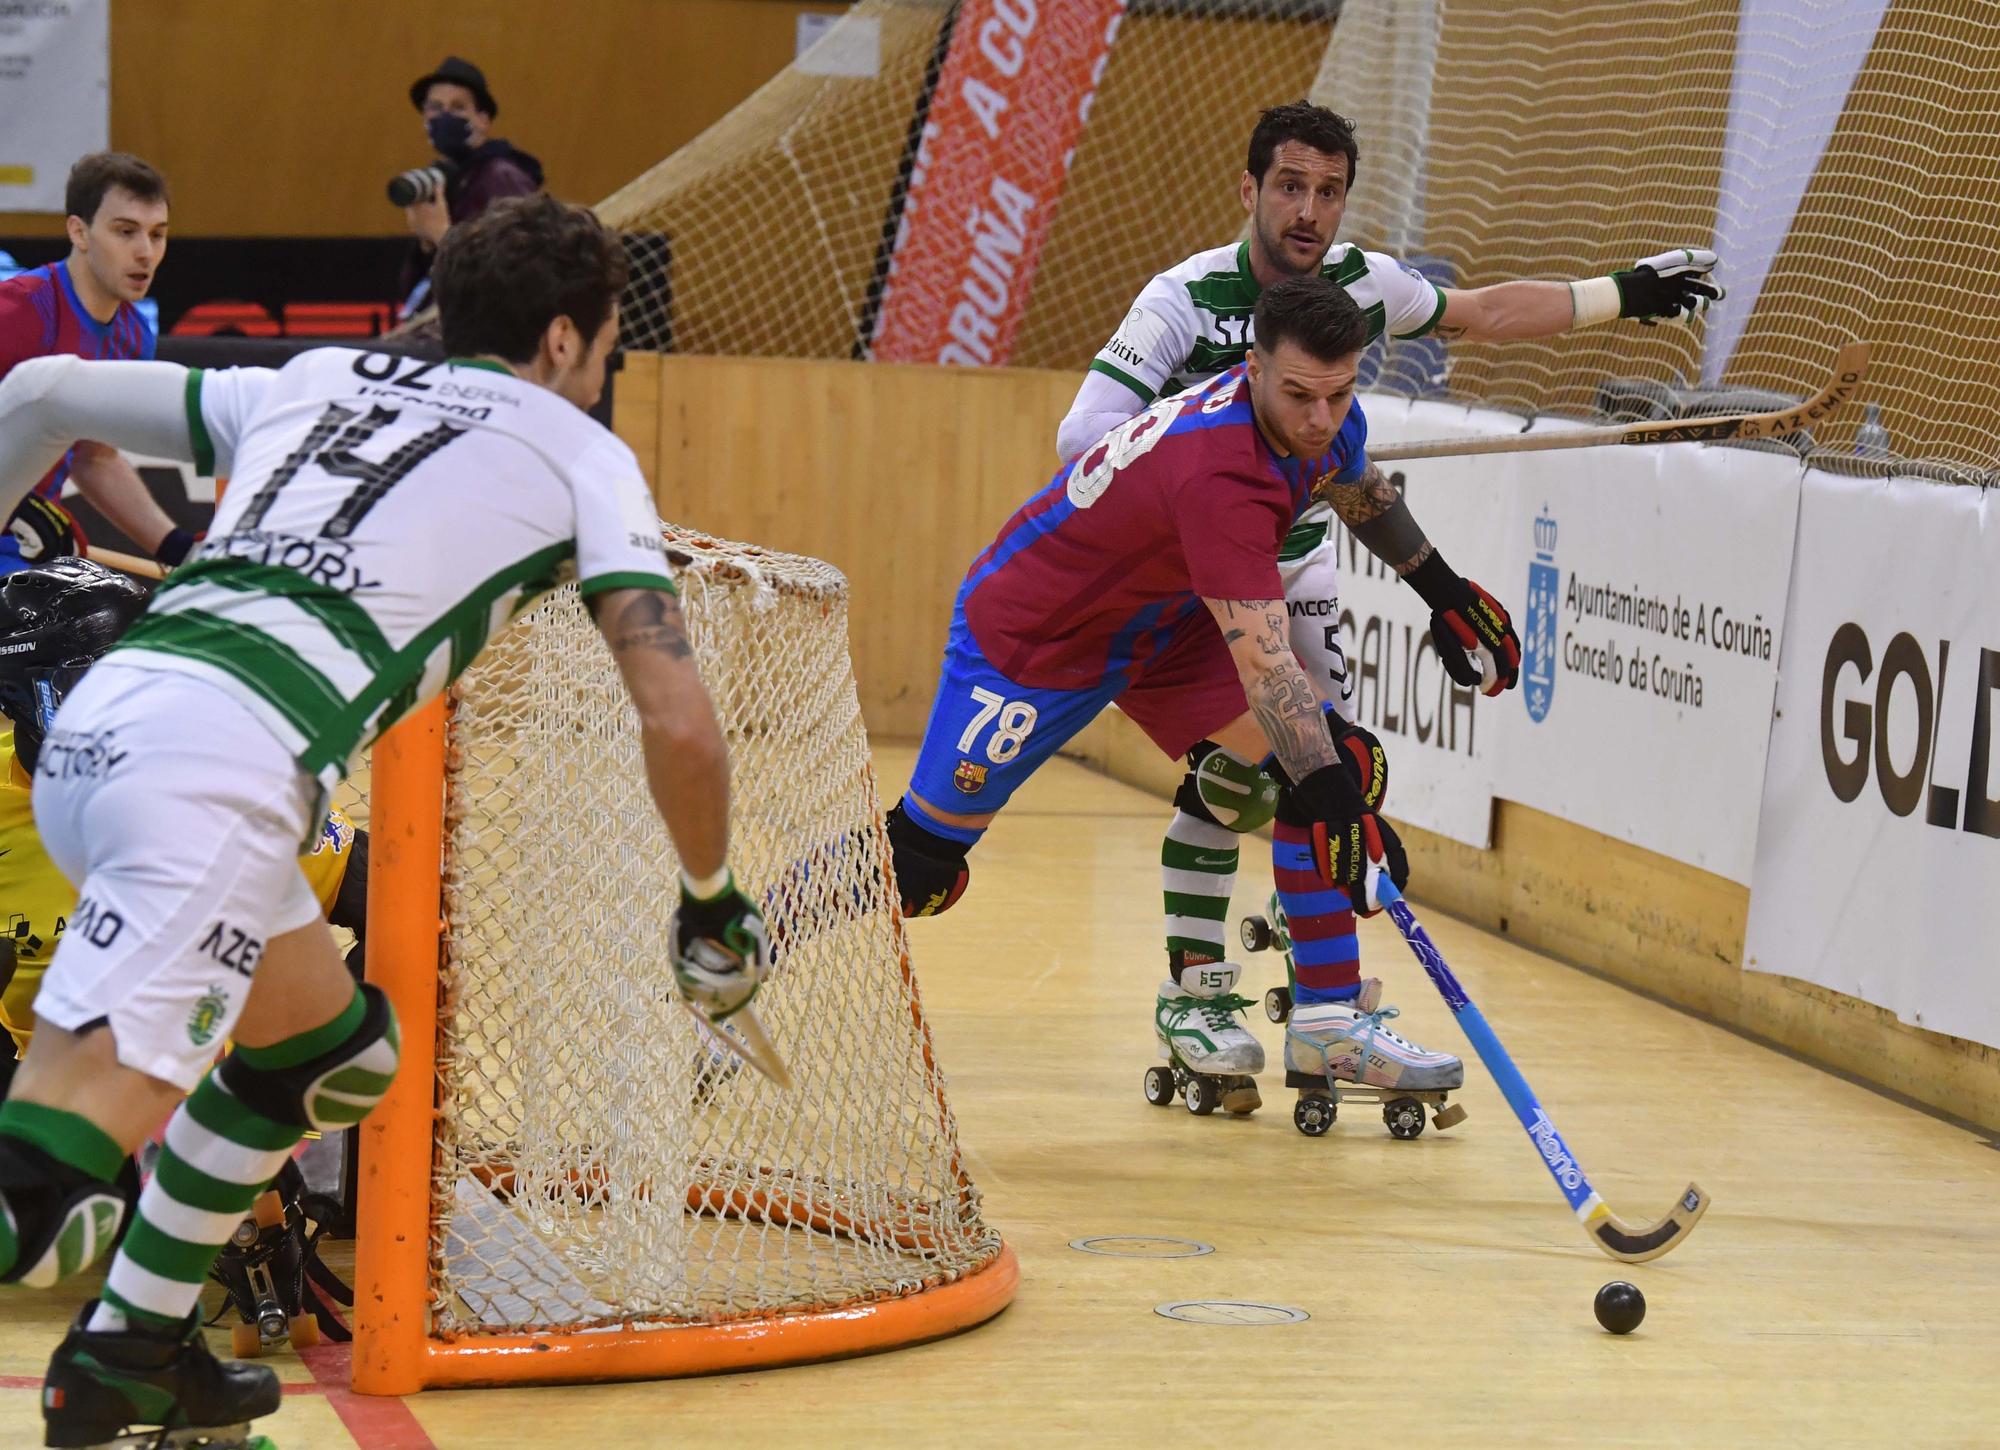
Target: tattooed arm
{"x": 687, "y": 764}
{"x": 1374, "y": 512}
{"x": 1281, "y": 697}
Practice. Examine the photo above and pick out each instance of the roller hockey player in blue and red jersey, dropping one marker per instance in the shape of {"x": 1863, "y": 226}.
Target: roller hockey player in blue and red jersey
{"x": 1146, "y": 573}
{"x": 87, "y": 306}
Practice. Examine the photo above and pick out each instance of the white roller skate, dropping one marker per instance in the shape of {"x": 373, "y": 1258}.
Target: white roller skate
{"x": 1341, "y": 1051}
{"x": 1211, "y": 1057}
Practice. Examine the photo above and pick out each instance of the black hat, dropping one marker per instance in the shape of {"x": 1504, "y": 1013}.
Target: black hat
{"x": 458, "y": 73}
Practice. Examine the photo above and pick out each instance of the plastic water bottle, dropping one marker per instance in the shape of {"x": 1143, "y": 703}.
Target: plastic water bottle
{"x": 1871, "y": 439}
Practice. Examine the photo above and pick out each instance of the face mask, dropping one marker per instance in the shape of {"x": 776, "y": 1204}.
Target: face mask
{"x": 449, "y": 134}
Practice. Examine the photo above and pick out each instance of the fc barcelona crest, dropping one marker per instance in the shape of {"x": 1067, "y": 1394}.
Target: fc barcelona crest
{"x": 969, "y": 778}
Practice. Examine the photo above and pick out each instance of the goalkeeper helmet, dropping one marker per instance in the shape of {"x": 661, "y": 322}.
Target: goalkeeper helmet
{"x": 54, "y": 621}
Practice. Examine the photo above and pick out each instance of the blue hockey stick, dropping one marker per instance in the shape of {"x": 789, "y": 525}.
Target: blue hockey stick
{"x": 1606, "y": 1229}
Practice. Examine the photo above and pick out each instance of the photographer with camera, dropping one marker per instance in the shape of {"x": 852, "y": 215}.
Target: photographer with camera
{"x": 472, "y": 169}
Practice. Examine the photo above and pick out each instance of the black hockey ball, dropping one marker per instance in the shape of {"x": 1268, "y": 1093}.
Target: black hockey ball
{"x": 1620, "y": 1306}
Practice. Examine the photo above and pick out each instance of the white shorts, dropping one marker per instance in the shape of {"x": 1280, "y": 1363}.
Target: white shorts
{"x": 1312, "y": 607}
{"x": 179, "y": 817}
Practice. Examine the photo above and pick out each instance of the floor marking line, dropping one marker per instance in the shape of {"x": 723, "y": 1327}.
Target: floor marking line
{"x": 376, "y": 1422}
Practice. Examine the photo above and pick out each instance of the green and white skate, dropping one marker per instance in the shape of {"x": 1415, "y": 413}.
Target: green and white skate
{"x": 1211, "y": 1057}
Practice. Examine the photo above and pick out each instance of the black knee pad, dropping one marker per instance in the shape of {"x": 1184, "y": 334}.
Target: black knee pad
{"x": 1188, "y": 797}
{"x": 333, "y": 1090}
{"x": 931, "y": 871}
{"x": 62, "y": 1220}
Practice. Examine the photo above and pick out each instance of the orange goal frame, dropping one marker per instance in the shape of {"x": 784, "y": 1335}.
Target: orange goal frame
{"x": 395, "y": 1351}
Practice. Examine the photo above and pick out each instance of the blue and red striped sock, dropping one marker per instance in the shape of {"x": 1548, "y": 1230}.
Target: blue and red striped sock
{"x": 1326, "y": 954}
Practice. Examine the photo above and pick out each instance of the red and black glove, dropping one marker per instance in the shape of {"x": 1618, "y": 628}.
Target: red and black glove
{"x": 1347, "y": 834}
{"x": 1474, "y": 637}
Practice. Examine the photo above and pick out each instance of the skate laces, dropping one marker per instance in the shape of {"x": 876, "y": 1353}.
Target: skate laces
{"x": 1362, "y": 1032}
{"x": 1216, "y": 1011}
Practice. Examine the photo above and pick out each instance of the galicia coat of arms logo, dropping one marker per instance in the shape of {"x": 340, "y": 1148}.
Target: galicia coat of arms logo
{"x": 1538, "y": 642}
{"x": 969, "y": 778}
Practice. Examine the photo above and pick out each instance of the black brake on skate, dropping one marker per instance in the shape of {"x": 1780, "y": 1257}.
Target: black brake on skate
{"x": 266, "y": 1268}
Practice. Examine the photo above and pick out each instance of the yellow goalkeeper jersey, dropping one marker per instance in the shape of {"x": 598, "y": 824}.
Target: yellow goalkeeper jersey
{"x": 36, "y": 898}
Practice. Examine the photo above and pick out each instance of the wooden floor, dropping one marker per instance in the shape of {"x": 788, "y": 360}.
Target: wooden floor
{"x": 1842, "y": 1291}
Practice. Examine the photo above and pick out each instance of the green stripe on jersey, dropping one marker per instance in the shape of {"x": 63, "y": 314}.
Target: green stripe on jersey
{"x": 274, "y": 672}
{"x": 203, "y": 445}
{"x": 347, "y": 621}
{"x": 1302, "y": 540}
{"x": 631, "y": 579}
{"x": 465, "y": 625}
{"x": 1437, "y": 316}
{"x": 1119, "y": 375}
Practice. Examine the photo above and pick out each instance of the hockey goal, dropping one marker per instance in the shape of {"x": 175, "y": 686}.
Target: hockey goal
{"x": 570, "y": 1180}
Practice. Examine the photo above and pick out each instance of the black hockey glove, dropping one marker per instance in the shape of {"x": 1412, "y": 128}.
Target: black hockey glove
{"x": 1347, "y": 836}
{"x": 1365, "y": 760}
{"x": 43, "y": 529}
{"x": 1474, "y": 637}
{"x": 721, "y": 951}
{"x": 1672, "y": 286}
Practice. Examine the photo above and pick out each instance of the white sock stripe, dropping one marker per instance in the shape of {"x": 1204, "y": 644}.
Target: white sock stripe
{"x": 143, "y": 1289}
{"x": 1219, "y": 884}
{"x": 1194, "y": 831}
{"x": 218, "y": 1157}
{"x": 183, "y": 1220}
{"x": 1198, "y": 928}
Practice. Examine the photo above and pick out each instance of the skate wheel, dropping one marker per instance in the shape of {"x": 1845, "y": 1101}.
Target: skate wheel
{"x": 1449, "y": 1116}
{"x": 268, "y": 1210}
{"x": 1404, "y": 1117}
{"x": 303, "y": 1331}
{"x": 1278, "y": 1004}
{"x": 1313, "y": 1114}
{"x": 1200, "y": 1095}
{"x": 1255, "y": 934}
{"x": 1159, "y": 1086}
{"x": 244, "y": 1341}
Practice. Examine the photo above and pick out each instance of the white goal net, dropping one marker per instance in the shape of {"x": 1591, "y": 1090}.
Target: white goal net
{"x": 599, "y": 1158}
{"x": 1840, "y": 155}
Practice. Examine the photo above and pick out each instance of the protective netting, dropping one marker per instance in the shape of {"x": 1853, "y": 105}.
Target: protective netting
{"x": 600, "y": 1158}
{"x": 1840, "y": 154}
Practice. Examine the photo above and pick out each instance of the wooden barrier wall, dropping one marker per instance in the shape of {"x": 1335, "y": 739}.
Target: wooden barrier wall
{"x": 899, "y": 475}
{"x": 286, "y": 118}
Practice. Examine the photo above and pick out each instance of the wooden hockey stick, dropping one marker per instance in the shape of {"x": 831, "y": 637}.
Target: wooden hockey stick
{"x": 742, "y": 1033}
{"x": 1606, "y": 1229}
{"x": 126, "y": 563}
{"x": 1849, "y": 367}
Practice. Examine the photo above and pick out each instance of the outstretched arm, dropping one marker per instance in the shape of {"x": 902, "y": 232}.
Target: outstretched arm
{"x": 108, "y": 480}
{"x": 1672, "y": 285}
{"x": 48, "y": 403}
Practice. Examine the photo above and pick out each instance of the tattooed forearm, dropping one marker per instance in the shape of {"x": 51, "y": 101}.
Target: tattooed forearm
{"x": 1259, "y": 620}
{"x": 652, "y": 622}
{"x": 1375, "y": 513}
{"x": 1288, "y": 712}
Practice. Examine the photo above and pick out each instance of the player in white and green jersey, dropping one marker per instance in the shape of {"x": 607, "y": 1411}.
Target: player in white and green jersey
{"x": 386, "y": 517}
{"x": 1192, "y": 321}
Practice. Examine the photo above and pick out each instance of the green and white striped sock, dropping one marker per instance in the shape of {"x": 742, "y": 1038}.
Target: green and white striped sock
{"x": 220, "y": 1154}
{"x": 1198, "y": 871}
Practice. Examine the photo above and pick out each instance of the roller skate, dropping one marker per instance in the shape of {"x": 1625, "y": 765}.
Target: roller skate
{"x": 136, "y": 1389}
{"x": 1270, "y": 933}
{"x": 1338, "y": 1052}
{"x": 1210, "y": 1057}
{"x": 273, "y": 1274}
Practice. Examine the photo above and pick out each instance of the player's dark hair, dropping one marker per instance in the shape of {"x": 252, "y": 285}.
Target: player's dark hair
{"x": 94, "y": 176}
{"x": 1310, "y": 125}
{"x": 1313, "y": 311}
{"x": 504, "y": 276}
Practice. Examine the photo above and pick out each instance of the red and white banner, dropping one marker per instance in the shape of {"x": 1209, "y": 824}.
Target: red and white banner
{"x": 1011, "y": 101}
